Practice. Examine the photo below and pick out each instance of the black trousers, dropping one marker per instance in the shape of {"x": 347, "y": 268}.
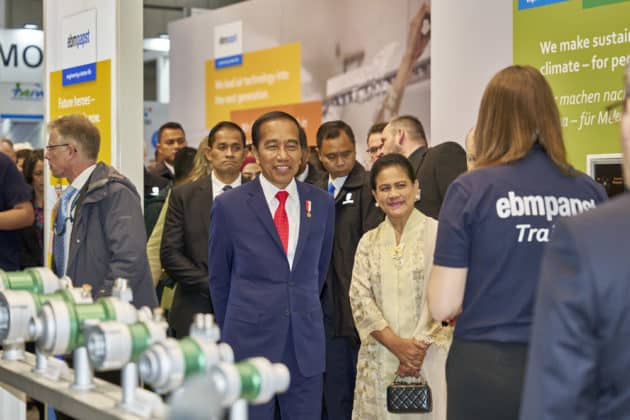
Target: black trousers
{"x": 340, "y": 375}
{"x": 485, "y": 379}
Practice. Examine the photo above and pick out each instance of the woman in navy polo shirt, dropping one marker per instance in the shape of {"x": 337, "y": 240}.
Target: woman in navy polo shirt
{"x": 493, "y": 225}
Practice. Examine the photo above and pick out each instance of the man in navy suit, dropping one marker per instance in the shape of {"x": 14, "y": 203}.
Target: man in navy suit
{"x": 269, "y": 250}
{"x": 579, "y": 354}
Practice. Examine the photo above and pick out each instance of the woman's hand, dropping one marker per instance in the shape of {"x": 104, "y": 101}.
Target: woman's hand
{"x": 411, "y": 354}
{"x": 407, "y": 371}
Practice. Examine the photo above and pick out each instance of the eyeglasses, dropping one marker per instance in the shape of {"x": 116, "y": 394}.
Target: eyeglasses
{"x": 54, "y": 146}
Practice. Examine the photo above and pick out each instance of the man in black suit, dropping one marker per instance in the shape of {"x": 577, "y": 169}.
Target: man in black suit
{"x": 307, "y": 172}
{"x": 171, "y": 138}
{"x": 578, "y": 355}
{"x": 435, "y": 167}
{"x": 184, "y": 250}
{"x": 344, "y": 182}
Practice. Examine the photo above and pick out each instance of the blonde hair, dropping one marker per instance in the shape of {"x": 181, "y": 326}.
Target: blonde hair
{"x": 201, "y": 166}
{"x": 518, "y": 110}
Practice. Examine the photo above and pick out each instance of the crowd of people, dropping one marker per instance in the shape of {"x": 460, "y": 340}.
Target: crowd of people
{"x": 423, "y": 268}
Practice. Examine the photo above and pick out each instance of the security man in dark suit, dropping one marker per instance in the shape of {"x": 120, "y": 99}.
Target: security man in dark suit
{"x": 435, "y": 167}
{"x": 184, "y": 250}
{"x": 308, "y": 173}
{"x": 344, "y": 182}
{"x": 578, "y": 355}
{"x": 171, "y": 138}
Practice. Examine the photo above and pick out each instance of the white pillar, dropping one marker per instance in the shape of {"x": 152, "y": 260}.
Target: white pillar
{"x": 108, "y": 35}
{"x": 163, "y": 71}
{"x": 129, "y": 92}
{"x": 3, "y": 13}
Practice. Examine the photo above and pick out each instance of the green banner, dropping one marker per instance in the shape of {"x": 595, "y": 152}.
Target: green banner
{"x": 594, "y": 3}
{"x": 582, "y": 51}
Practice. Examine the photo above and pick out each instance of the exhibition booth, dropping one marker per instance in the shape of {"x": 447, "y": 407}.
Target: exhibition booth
{"x": 352, "y": 60}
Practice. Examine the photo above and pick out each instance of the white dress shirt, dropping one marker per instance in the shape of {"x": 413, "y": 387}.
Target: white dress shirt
{"x": 292, "y": 206}
{"x": 217, "y": 186}
{"x": 170, "y": 167}
{"x": 338, "y": 183}
{"x": 77, "y": 184}
{"x": 302, "y": 177}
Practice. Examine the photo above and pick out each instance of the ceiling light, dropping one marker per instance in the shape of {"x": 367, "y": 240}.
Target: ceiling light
{"x": 157, "y": 44}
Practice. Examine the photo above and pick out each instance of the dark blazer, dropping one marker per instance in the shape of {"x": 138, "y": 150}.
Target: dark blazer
{"x": 436, "y": 168}
{"x": 184, "y": 251}
{"x": 351, "y": 207}
{"x": 151, "y": 181}
{"x": 161, "y": 170}
{"x": 316, "y": 176}
{"x": 260, "y": 304}
{"x": 578, "y": 356}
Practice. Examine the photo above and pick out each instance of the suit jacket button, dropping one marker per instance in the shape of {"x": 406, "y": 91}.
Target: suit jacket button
{"x": 286, "y": 313}
{"x": 291, "y": 283}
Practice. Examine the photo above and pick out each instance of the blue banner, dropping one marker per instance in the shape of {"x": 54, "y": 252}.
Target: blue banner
{"x": 78, "y": 74}
{"x": 529, "y": 4}
{"x": 21, "y": 116}
{"x": 231, "y": 61}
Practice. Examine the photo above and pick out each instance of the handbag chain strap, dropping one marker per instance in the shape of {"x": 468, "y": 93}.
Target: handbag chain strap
{"x": 410, "y": 380}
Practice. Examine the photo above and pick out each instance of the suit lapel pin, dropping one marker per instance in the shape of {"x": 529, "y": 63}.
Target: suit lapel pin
{"x": 307, "y": 206}
{"x": 348, "y": 199}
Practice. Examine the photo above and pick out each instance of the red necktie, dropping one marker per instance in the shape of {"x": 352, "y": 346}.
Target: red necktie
{"x": 281, "y": 220}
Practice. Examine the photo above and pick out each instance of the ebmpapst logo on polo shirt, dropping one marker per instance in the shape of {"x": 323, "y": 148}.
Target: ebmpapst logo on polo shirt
{"x": 543, "y": 206}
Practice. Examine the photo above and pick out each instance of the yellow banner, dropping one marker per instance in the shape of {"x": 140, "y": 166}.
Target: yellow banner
{"x": 92, "y": 99}
{"x": 308, "y": 114}
{"x": 266, "y": 78}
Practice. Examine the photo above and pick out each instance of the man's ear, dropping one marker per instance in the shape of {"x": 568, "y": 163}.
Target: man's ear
{"x": 306, "y": 152}
{"x": 400, "y": 136}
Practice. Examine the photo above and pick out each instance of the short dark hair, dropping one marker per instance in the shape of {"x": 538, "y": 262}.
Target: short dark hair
{"x": 169, "y": 125}
{"x": 183, "y": 162}
{"x": 269, "y": 116}
{"x": 376, "y": 128}
{"x": 220, "y": 126}
{"x": 332, "y": 130}
{"x": 412, "y": 125}
{"x": 7, "y": 141}
{"x": 302, "y": 136}
{"x": 387, "y": 161}
{"x": 29, "y": 164}
{"x": 23, "y": 154}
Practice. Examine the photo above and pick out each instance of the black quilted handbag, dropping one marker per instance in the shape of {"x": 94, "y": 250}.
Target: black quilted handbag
{"x": 405, "y": 396}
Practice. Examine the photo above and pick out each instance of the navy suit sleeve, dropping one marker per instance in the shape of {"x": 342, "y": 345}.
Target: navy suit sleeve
{"x": 561, "y": 373}
{"x": 324, "y": 259}
{"x": 220, "y": 253}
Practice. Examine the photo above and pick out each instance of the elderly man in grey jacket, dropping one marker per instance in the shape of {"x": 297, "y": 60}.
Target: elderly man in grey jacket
{"x": 99, "y": 231}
